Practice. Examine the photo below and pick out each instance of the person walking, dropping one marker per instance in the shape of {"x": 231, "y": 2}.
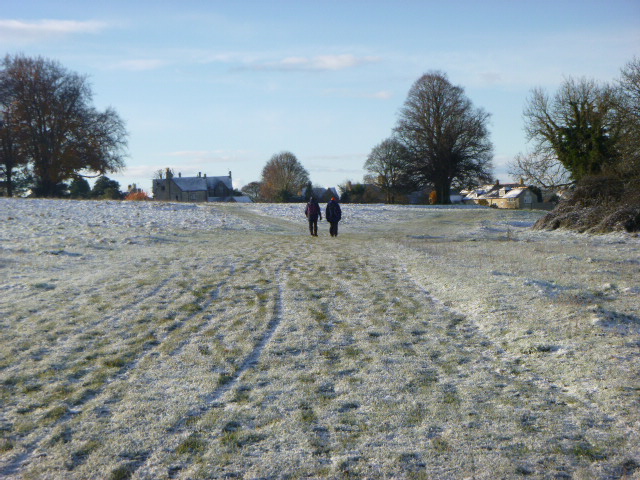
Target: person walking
{"x": 312, "y": 212}
{"x": 333, "y": 214}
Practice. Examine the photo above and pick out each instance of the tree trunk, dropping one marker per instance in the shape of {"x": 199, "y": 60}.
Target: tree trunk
{"x": 9, "y": 176}
{"x": 443, "y": 189}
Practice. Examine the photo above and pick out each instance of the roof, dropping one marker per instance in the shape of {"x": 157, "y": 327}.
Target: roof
{"x": 191, "y": 184}
{"x": 196, "y": 184}
{"x": 515, "y": 192}
{"x": 491, "y": 194}
{"x": 213, "y": 181}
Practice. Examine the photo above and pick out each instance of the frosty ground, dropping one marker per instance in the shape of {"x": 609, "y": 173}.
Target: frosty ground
{"x": 159, "y": 340}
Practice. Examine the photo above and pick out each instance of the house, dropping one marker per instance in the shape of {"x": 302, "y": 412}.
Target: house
{"x": 509, "y": 195}
{"x": 321, "y": 194}
{"x": 194, "y": 189}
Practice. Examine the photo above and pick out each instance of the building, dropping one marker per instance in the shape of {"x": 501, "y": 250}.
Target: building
{"x": 321, "y": 194}
{"x": 195, "y": 189}
{"x": 510, "y": 195}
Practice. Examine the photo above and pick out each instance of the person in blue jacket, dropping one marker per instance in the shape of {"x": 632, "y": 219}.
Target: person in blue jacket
{"x": 333, "y": 214}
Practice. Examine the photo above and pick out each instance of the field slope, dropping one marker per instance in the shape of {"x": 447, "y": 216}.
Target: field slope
{"x": 148, "y": 340}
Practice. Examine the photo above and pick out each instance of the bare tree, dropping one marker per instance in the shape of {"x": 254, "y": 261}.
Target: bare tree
{"x": 161, "y": 174}
{"x": 540, "y": 169}
{"x": 446, "y": 136}
{"x": 12, "y": 157}
{"x": 252, "y": 190}
{"x": 387, "y": 167}
{"x": 283, "y": 177}
{"x": 629, "y": 117}
{"x": 61, "y": 133}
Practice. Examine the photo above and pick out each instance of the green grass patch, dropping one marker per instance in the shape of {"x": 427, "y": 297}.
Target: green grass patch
{"x": 224, "y": 379}
{"x": 191, "y": 308}
{"x": 56, "y": 413}
{"x": 307, "y": 415}
{"x": 588, "y": 451}
{"x": 116, "y": 362}
{"x": 6, "y": 445}
{"x": 318, "y": 315}
{"x": 123, "y": 472}
{"x": 191, "y": 445}
{"x": 80, "y": 455}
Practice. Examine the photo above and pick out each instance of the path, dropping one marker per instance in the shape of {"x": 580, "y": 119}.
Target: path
{"x": 265, "y": 353}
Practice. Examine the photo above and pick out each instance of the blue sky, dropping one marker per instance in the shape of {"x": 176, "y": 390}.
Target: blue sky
{"x": 218, "y": 86}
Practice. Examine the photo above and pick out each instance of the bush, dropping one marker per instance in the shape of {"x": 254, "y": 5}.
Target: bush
{"x": 599, "y": 204}
{"x": 137, "y": 196}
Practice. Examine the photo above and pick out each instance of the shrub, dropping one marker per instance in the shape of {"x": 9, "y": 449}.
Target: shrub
{"x": 598, "y": 204}
{"x": 137, "y": 196}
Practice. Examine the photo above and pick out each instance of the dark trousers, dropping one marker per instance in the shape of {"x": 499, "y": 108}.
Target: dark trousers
{"x": 333, "y": 229}
{"x": 313, "y": 227}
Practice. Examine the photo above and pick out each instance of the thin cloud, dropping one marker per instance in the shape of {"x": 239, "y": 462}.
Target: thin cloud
{"x": 139, "y": 65}
{"x": 341, "y": 171}
{"x": 335, "y": 163}
{"x": 339, "y": 157}
{"x": 19, "y": 31}
{"x": 382, "y": 95}
{"x": 319, "y": 63}
{"x": 138, "y": 171}
{"x": 197, "y": 158}
{"x": 350, "y": 93}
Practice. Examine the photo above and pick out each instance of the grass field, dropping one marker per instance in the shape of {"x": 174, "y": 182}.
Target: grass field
{"x": 163, "y": 341}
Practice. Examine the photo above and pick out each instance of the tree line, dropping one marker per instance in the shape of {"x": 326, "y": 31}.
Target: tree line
{"x": 52, "y": 138}
{"x": 441, "y": 141}
{"x": 50, "y": 132}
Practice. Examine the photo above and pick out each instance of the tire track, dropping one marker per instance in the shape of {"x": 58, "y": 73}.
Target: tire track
{"x": 254, "y": 357}
{"x": 211, "y": 400}
{"x": 14, "y": 466}
{"x": 524, "y": 379}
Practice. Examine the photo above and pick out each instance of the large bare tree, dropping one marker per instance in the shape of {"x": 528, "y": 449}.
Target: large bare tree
{"x": 282, "y": 178}
{"x": 59, "y": 130}
{"x": 445, "y": 134}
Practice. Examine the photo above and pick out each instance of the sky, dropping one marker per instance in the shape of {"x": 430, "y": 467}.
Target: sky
{"x": 222, "y": 86}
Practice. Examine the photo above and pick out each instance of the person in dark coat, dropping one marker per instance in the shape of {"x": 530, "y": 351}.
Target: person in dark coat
{"x": 333, "y": 214}
{"x": 312, "y": 212}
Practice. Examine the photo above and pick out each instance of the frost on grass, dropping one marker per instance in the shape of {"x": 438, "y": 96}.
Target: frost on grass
{"x": 160, "y": 340}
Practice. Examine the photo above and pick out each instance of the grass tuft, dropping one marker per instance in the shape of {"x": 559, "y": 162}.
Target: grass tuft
{"x": 6, "y": 445}
{"x": 123, "y": 472}
{"x": 191, "y": 445}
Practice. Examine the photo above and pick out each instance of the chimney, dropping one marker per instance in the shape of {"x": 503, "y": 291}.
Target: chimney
{"x": 199, "y": 174}
{"x": 179, "y": 174}
{"x": 205, "y": 175}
